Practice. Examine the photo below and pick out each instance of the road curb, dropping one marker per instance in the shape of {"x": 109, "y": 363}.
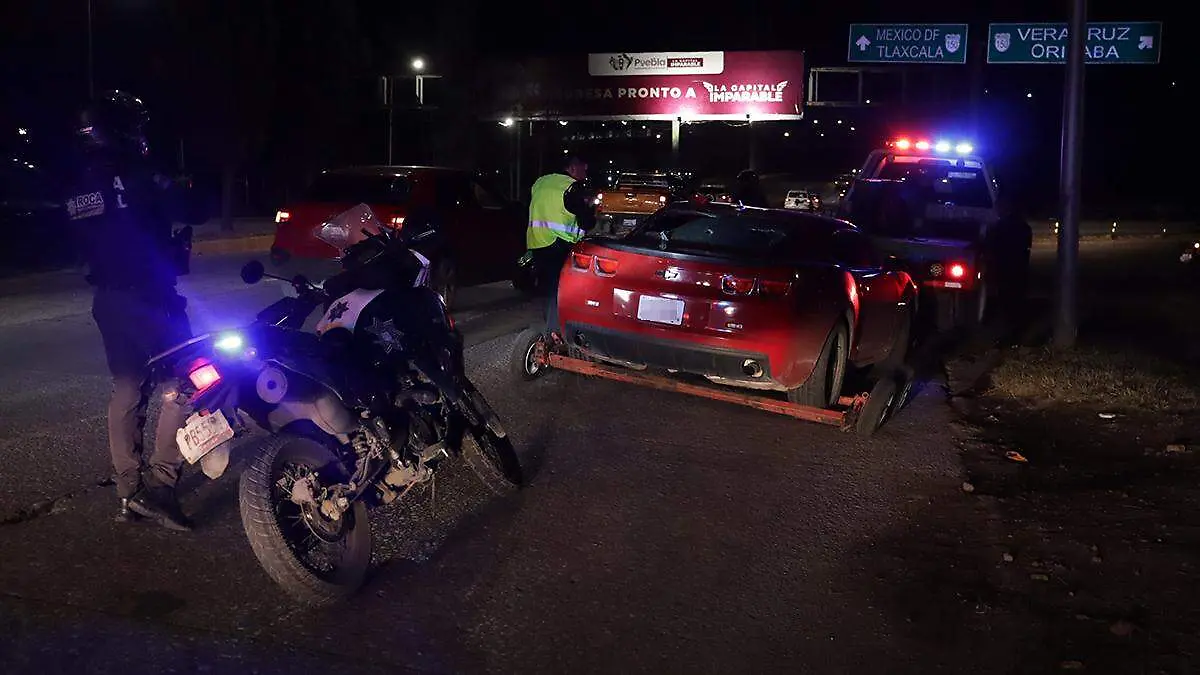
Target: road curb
{"x": 258, "y": 243}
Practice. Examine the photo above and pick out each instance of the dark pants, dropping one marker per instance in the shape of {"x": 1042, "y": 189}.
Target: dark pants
{"x": 548, "y": 261}
{"x": 136, "y": 325}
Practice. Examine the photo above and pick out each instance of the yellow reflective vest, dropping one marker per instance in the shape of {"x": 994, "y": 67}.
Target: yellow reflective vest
{"x": 548, "y": 218}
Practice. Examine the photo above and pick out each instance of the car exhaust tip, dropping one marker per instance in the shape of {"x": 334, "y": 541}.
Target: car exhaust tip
{"x": 752, "y": 368}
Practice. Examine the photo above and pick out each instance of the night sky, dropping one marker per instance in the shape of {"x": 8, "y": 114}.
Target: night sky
{"x": 179, "y": 54}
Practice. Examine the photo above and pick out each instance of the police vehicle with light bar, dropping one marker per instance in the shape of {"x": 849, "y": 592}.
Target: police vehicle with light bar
{"x": 930, "y": 203}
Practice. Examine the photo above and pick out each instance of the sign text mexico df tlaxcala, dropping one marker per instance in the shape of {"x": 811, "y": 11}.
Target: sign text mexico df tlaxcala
{"x": 907, "y": 43}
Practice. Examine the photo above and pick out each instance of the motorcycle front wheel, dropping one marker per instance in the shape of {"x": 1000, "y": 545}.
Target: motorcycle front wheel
{"x": 315, "y": 559}
{"x": 493, "y": 460}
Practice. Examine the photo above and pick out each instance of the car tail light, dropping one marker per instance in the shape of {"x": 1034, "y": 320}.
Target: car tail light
{"x": 282, "y": 216}
{"x": 581, "y": 261}
{"x": 956, "y": 270}
{"x": 204, "y": 377}
{"x": 606, "y": 266}
{"x": 732, "y": 285}
{"x": 774, "y": 288}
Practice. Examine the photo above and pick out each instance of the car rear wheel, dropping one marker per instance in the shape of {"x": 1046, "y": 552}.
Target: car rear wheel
{"x": 824, "y": 385}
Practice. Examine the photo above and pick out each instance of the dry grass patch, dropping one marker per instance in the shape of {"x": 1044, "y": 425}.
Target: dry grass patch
{"x": 1118, "y": 380}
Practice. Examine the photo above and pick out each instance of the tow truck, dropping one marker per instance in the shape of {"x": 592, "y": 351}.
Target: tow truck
{"x": 930, "y": 204}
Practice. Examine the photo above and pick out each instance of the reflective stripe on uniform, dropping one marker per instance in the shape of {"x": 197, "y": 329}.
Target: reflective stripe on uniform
{"x": 571, "y": 230}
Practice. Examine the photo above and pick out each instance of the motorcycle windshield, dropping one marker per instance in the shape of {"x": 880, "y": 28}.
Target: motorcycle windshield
{"x": 349, "y": 227}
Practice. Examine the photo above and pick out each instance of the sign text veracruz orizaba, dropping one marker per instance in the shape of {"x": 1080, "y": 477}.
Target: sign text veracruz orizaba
{"x": 658, "y": 85}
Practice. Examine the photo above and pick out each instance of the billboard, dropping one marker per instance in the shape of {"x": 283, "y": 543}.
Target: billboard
{"x": 654, "y": 86}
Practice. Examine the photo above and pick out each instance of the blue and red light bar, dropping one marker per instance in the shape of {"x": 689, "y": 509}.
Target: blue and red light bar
{"x": 941, "y": 147}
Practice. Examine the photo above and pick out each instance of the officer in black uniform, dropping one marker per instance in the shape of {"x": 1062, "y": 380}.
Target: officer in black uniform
{"x": 749, "y": 191}
{"x": 122, "y": 213}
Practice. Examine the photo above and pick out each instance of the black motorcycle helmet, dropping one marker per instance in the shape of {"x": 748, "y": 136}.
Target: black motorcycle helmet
{"x": 115, "y": 121}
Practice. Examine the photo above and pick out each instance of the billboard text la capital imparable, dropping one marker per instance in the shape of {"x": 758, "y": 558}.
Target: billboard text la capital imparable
{"x": 691, "y": 85}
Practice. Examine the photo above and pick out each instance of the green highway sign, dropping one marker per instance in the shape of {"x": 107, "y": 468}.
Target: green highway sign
{"x": 907, "y": 43}
{"x": 1107, "y": 42}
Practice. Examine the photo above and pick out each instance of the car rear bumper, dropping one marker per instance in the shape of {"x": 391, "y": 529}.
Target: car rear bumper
{"x": 733, "y": 365}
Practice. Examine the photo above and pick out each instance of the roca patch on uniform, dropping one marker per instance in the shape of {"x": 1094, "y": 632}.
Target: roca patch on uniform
{"x": 85, "y": 206}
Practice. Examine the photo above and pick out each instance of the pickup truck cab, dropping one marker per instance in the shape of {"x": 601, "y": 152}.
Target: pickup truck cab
{"x": 931, "y": 204}
{"x": 635, "y": 196}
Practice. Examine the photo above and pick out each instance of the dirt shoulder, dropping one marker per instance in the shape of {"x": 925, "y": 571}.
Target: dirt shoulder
{"x": 1082, "y": 472}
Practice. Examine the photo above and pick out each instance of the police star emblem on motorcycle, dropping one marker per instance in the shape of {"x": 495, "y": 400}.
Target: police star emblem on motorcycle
{"x": 338, "y": 309}
{"x": 387, "y": 336}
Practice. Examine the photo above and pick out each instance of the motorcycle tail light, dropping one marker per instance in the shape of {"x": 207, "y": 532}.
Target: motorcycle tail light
{"x": 606, "y": 266}
{"x": 282, "y": 216}
{"x": 397, "y": 221}
{"x": 956, "y": 270}
{"x": 581, "y": 261}
{"x": 204, "y": 377}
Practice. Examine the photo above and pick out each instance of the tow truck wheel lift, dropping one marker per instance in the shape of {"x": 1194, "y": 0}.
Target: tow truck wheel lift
{"x": 535, "y": 352}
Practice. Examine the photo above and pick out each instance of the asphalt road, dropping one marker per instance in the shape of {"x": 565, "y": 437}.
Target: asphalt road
{"x": 660, "y": 533}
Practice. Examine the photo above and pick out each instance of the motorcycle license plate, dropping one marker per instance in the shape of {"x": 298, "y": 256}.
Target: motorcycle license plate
{"x": 1186, "y": 257}
{"x": 201, "y": 434}
{"x": 629, "y": 222}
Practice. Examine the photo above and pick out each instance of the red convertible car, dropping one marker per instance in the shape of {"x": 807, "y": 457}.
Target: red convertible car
{"x": 758, "y": 298}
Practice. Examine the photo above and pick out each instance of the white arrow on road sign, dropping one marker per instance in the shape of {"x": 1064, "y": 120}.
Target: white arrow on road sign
{"x": 1146, "y": 42}
{"x": 862, "y": 43}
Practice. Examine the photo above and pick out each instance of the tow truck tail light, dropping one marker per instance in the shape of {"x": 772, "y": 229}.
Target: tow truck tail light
{"x": 581, "y": 261}
{"x": 204, "y": 377}
{"x": 282, "y": 216}
{"x": 606, "y": 266}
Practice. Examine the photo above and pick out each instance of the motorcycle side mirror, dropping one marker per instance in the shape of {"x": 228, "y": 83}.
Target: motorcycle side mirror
{"x": 253, "y": 272}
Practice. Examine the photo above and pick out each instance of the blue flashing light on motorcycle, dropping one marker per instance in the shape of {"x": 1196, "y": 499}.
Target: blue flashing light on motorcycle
{"x": 230, "y": 343}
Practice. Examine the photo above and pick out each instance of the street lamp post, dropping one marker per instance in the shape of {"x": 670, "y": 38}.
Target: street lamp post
{"x": 90, "y": 59}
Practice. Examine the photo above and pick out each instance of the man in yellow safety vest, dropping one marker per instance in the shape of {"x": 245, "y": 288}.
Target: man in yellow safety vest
{"x": 561, "y": 209}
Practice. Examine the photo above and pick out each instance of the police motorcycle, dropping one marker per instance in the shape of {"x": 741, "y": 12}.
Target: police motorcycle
{"x": 357, "y": 414}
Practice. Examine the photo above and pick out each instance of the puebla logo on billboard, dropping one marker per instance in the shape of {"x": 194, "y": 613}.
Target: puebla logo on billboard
{"x": 656, "y": 63}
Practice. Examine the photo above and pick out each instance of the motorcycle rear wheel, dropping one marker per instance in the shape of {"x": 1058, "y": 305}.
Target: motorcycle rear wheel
{"x": 281, "y": 532}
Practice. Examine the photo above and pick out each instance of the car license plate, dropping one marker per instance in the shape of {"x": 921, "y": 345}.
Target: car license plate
{"x": 660, "y": 310}
{"x": 201, "y": 434}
